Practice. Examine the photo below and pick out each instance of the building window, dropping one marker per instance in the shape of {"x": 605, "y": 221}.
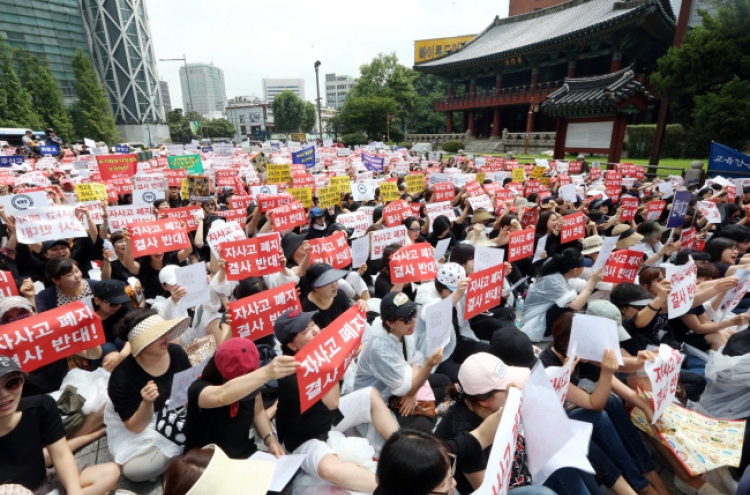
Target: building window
{"x": 243, "y": 129}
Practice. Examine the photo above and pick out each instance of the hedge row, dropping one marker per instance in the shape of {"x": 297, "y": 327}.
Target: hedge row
{"x": 678, "y": 142}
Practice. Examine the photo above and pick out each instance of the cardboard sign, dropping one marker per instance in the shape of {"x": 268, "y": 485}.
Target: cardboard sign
{"x": 664, "y": 373}
{"x": 253, "y": 257}
{"x": 381, "y": 238}
{"x": 622, "y": 266}
{"x": 389, "y": 191}
{"x": 573, "y": 228}
{"x": 359, "y": 221}
{"x": 186, "y": 214}
{"x": 288, "y": 216}
{"x": 268, "y": 202}
{"x": 192, "y": 164}
{"x": 117, "y": 166}
{"x": 253, "y": 316}
{"x": 394, "y": 213}
{"x": 484, "y": 291}
{"x": 521, "y": 245}
{"x": 332, "y": 250}
{"x": 414, "y": 263}
{"x": 679, "y": 209}
{"x": 684, "y": 279}
{"x": 91, "y": 192}
{"x": 530, "y": 217}
{"x": 48, "y": 224}
{"x": 50, "y": 336}
{"x": 7, "y": 284}
{"x": 629, "y": 208}
{"x": 159, "y": 236}
{"x": 709, "y": 211}
{"x": 655, "y": 209}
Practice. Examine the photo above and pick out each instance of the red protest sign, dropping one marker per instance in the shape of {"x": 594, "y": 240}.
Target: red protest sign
{"x": 395, "y": 212}
{"x": 117, "y": 166}
{"x": 240, "y": 201}
{"x": 414, "y": 263}
{"x": 731, "y": 193}
{"x": 159, "y": 236}
{"x": 688, "y": 238}
{"x": 503, "y": 194}
{"x": 595, "y": 173}
{"x": 443, "y": 191}
{"x": 324, "y": 360}
{"x": 267, "y": 202}
{"x": 622, "y": 266}
{"x": 288, "y": 216}
{"x": 573, "y": 227}
{"x": 629, "y": 208}
{"x": 174, "y": 176}
{"x": 575, "y": 167}
{"x": 530, "y": 217}
{"x": 7, "y": 284}
{"x": 253, "y": 316}
{"x": 564, "y": 179}
{"x": 252, "y": 257}
{"x": 186, "y": 214}
{"x": 234, "y": 215}
{"x": 225, "y": 178}
{"x": 655, "y": 209}
{"x": 474, "y": 189}
{"x": 55, "y": 334}
{"x": 332, "y": 250}
{"x": 484, "y": 291}
{"x": 532, "y": 186}
{"x": 521, "y": 245}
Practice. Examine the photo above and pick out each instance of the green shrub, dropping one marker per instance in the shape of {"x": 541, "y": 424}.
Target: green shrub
{"x": 678, "y": 142}
{"x": 352, "y": 139}
{"x": 453, "y": 146}
{"x": 405, "y": 144}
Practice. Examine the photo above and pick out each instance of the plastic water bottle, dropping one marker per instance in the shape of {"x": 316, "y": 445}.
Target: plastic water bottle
{"x": 519, "y": 310}
{"x": 108, "y": 246}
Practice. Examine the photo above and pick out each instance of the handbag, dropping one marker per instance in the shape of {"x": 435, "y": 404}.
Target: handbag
{"x": 171, "y": 423}
{"x": 424, "y": 408}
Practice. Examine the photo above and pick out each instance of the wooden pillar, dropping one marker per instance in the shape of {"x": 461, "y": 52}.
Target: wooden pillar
{"x": 471, "y": 122}
{"x": 571, "y": 68}
{"x": 534, "y": 76}
{"x": 616, "y": 62}
{"x": 449, "y": 123}
{"x": 496, "y": 123}
{"x": 561, "y": 133}
{"x": 618, "y": 137}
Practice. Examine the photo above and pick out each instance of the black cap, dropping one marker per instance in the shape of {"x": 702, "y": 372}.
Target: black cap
{"x": 49, "y": 244}
{"x": 112, "y": 291}
{"x": 513, "y": 347}
{"x": 396, "y": 305}
{"x": 335, "y": 227}
{"x": 8, "y": 365}
{"x": 320, "y": 274}
{"x": 738, "y": 344}
{"x": 290, "y": 243}
{"x": 290, "y": 323}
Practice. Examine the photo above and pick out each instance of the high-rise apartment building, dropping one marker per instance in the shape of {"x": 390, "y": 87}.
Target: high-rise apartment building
{"x": 203, "y": 89}
{"x": 166, "y": 100}
{"x": 272, "y": 87}
{"x": 337, "y": 87}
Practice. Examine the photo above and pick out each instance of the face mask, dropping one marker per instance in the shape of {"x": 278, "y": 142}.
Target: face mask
{"x": 139, "y": 297}
{"x": 319, "y": 227}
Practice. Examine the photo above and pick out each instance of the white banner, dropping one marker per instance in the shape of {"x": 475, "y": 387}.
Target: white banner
{"x": 49, "y": 224}
{"x": 664, "y": 373}
{"x": 684, "y": 280}
{"x": 381, "y": 238}
{"x": 359, "y": 221}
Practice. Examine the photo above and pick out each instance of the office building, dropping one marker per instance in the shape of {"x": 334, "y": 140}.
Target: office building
{"x": 203, "y": 89}
{"x": 249, "y": 115}
{"x": 166, "y": 100}
{"x": 272, "y": 87}
{"x": 337, "y": 87}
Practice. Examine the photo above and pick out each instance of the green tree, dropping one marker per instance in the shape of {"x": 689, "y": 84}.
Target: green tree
{"x": 310, "y": 118}
{"x": 16, "y": 107}
{"x": 218, "y": 128}
{"x": 179, "y": 126}
{"x": 92, "y": 116}
{"x": 288, "y": 112}
{"x": 703, "y": 74}
{"x": 45, "y": 94}
{"x": 423, "y": 118}
{"x": 369, "y": 114}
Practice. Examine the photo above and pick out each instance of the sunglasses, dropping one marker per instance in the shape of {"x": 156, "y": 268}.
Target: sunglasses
{"x": 410, "y": 318}
{"x": 14, "y": 383}
{"x": 11, "y": 319}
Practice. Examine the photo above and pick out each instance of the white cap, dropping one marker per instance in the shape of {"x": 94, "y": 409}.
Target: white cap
{"x": 167, "y": 275}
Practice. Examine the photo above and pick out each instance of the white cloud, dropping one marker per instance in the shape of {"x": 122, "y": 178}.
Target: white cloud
{"x": 253, "y": 40}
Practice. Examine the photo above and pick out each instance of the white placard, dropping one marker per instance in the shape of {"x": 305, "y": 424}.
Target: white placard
{"x": 735, "y": 295}
{"x": 592, "y": 335}
{"x": 181, "y": 383}
{"x": 48, "y": 224}
{"x": 267, "y": 189}
{"x": 441, "y": 248}
{"x": 221, "y": 232}
{"x": 482, "y": 201}
{"x": 487, "y": 257}
{"x": 359, "y": 221}
{"x": 607, "y": 247}
{"x": 684, "y": 279}
{"x": 434, "y": 210}
{"x": 559, "y": 376}
{"x": 147, "y": 197}
{"x": 18, "y": 204}
{"x": 362, "y": 190}
{"x": 381, "y": 238}
{"x": 710, "y": 211}
{"x": 568, "y": 192}
{"x": 285, "y": 467}
{"x": 193, "y": 278}
{"x": 360, "y": 251}
{"x": 540, "y": 246}
{"x": 664, "y": 373}
{"x": 666, "y": 190}
{"x": 95, "y": 210}
{"x": 438, "y": 319}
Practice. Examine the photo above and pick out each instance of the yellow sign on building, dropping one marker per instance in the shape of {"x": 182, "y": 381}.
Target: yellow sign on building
{"x": 425, "y": 50}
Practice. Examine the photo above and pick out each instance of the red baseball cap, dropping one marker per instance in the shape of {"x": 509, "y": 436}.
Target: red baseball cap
{"x": 237, "y": 357}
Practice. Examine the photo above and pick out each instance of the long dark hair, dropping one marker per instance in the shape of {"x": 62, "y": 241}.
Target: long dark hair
{"x": 412, "y": 462}
{"x": 462, "y": 254}
{"x": 563, "y": 262}
{"x": 716, "y": 246}
{"x": 541, "y": 224}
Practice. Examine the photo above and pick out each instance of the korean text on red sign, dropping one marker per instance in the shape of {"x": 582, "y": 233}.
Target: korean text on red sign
{"x": 333, "y": 250}
{"x": 629, "y": 208}
{"x": 186, "y": 214}
{"x": 521, "y": 245}
{"x": 288, "y": 216}
{"x": 7, "y": 284}
{"x": 444, "y": 191}
{"x": 253, "y": 257}
{"x": 622, "y": 266}
{"x": 267, "y": 202}
{"x": 394, "y": 213}
{"x": 55, "y": 334}
{"x": 415, "y": 263}
{"x": 157, "y": 237}
{"x": 573, "y": 228}
{"x": 324, "y": 360}
{"x": 655, "y": 209}
{"x": 484, "y": 291}
{"x": 253, "y": 316}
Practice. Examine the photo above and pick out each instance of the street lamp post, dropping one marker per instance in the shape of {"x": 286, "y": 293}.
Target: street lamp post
{"x": 317, "y": 86}
{"x": 187, "y": 78}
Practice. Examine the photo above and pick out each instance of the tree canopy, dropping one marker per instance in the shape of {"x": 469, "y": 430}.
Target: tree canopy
{"x": 289, "y": 112}
{"x": 706, "y": 79}
{"x": 92, "y": 116}
{"x": 16, "y": 106}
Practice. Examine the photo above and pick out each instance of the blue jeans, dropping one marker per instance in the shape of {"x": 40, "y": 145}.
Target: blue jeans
{"x": 533, "y": 490}
{"x": 629, "y": 434}
{"x": 607, "y": 453}
{"x": 570, "y": 481}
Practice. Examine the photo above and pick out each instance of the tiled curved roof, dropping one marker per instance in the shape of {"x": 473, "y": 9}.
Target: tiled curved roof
{"x": 521, "y": 33}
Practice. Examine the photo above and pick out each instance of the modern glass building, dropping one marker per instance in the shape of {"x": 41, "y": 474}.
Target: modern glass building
{"x": 50, "y": 28}
{"x": 203, "y": 89}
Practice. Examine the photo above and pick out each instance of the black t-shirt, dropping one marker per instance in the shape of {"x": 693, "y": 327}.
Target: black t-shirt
{"x": 682, "y": 333}
{"x": 228, "y": 426}
{"x": 21, "y": 449}
{"x": 119, "y": 272}
{"x": 110, "y": 323}
{"x": 128, "y": 379}
{"x": 324, "y": 317}
{"x": 641, "y": 338}
{"x": 149, "y": 276}
{"x": 294, "y": 428}
{"x": 383, "y": 286}
{"x": 583, "y": 370}
{"x": 46, "y": 379}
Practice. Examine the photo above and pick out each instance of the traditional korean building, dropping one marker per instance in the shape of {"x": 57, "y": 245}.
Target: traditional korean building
{"x": 500, "y": 79}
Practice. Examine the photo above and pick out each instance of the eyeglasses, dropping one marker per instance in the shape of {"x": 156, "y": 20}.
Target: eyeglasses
{"x": 452, "y": 460}
{"x": 11, "y": 319}
{"x": 416, "y": 229}
{"x": 14, "y": 383}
